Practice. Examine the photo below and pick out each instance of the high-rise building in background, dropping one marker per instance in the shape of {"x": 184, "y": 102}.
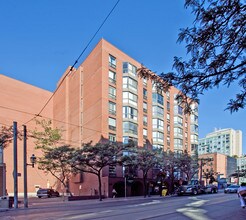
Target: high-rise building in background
{"x": 224, "y": 141}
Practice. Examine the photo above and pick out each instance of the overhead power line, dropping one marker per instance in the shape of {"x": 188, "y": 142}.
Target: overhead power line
{"x": 76, "y": 61}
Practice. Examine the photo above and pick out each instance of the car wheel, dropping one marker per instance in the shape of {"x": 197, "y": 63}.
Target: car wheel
{"x": 39, "y": 196}
{"x": 49, "y": 196}
{"x": 194, "y": 192}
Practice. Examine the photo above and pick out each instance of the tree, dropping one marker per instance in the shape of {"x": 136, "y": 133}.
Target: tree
{"x": 145, "y": 160}
{"x": 169, "y": 162}
{"x": 207, "y": 162}
{"x": 188, "y": 165}
{"x": 93, "y": 158}
{"x": 216, "y": 53}
{"x": 6, "y": 136}
{"x": 46, "y": 137}
{"x": 56, "y": 161}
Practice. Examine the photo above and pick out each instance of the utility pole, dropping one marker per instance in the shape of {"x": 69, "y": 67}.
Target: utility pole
{"x": 201, "y": 165}
{"x": 25, "y": 167}
{"x": 238, "y": 175}
{"x": 15, "y": 171}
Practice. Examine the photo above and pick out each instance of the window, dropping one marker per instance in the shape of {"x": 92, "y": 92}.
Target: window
{"x": 112, "y": 124}
{"x": 157, "y": 98}
{"x": 145, "y": 107}
{"x": 194, "y": 128}
{"x": 194, "y": 138}
{"x": 168, "y": 141}
{"x": 158, "y": 146}
{"x": 112, "y": 108}
{"x": 144, "y": 82}
{"x": 129, "y": 68}
{"x": 145, "y": 93}
{"x": 145, "y": 120}
{"x": 178, "y": 132}
{"x": 168, "y": 116}
{"x": 158, "y": 123}
{"x": 112, "y": 92}
{"x": 178, "y": 143}
{"x": 126, "y": 140}
{"x": 168, "y": 129}
{"x": 168, "y": 95}
{"x": 112, "y": 77}
{"x": 130, "y": 127}
{"x": 158, "y": 111}
{"x": 158, "y": 136}
{"x": 112, "y": 61}
{"x": 178, "y": 121}
{"x": 130, "y": 98}
{"x": 112, "y": 137}
{"x": 145, "y": 133}
{"x": 194, "y": 118}
{"x": 130, "y": 83}
{"x": 178, "y": 110}
{"x": 168, "y": 106}
{"x": 130, "y": 112}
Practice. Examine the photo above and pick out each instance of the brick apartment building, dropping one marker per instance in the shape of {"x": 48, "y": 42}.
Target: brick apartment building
{"x": 222, "y": 165}
{"x": 104, "y": 97}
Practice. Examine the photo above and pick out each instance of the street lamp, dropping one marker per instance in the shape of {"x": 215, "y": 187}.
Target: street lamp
{"x": 33, "y": 160}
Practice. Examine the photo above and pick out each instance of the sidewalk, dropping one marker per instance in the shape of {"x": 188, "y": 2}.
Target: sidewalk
{"x": 35, "y": 203}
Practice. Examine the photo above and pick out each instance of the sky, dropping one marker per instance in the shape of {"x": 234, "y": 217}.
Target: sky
{"x": 40, "y": 39}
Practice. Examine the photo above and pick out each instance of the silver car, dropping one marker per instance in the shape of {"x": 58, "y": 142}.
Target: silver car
{"x": 231, "y": 189}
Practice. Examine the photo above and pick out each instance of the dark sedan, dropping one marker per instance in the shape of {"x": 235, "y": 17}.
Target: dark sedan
{"x": 47, "y": 193}
{"x": 231, "y": 189}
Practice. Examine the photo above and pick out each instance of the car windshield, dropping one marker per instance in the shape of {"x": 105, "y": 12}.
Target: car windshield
{"x": 43, "y": 190}
{"x": 193, "y": 182}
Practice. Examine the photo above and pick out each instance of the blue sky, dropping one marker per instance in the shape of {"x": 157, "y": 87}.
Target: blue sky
{"x": 39, "y": 39}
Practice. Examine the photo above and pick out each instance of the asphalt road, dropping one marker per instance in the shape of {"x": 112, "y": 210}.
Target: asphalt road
{"x": 202, "y": 207}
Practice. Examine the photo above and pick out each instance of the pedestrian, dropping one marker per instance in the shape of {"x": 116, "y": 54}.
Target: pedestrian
{"x": 114, "y": 193}
{"x": 242, "y": 194}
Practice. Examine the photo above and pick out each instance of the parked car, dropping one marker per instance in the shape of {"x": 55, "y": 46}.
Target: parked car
{"x": 192, "y": 188}
{"x": 210, "y": 189}
{"x": 47, "y": 193}
{"x": 231, "y": 189}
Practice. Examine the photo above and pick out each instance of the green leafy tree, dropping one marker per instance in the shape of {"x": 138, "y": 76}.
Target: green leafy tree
{"x": 93, "y": 158}
{"x": 188, "y": 165}
{"x": 145, "y": 160}
{"x": 216, "y": 53}
{"x": 56, "y": 161}
{"x": 6, "y": 136}
{"x": 46, "y": 136}
{"x": 170, "y": 163}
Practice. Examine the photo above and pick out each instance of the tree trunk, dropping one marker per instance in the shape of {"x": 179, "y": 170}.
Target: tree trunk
{"x": 99, "y": 186}
{"x": 145, "y": 185}
{"x": 65, "y": 184}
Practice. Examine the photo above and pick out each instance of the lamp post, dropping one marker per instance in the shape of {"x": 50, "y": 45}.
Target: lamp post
{"x": 32, "y": 160}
